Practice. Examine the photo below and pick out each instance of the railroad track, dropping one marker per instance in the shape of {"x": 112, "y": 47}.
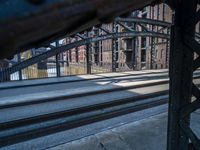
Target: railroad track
{"x": 24, "y": 129}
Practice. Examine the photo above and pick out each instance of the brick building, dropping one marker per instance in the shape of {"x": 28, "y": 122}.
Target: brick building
{"x": 136, "y": 53}
{"x": 131, "y": 53}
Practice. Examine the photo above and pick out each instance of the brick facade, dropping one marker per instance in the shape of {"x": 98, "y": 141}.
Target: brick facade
{"x": 132, "y": 53}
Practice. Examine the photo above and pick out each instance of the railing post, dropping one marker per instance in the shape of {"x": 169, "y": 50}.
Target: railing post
{"x": 88, "y": 58}
{"x": 57, "y": 61}
{"x": 57, "y": 65}
{"x": 20, "y": 71}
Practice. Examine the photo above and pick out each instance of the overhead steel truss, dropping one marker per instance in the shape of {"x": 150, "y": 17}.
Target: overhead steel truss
{"x": 182, "y": 66}
{"x": 87, "y": 39}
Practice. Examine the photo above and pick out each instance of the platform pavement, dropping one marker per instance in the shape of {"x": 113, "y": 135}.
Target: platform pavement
{"x": 75, "y": 78}
{"x": 66, "y": 93}
{"x": 146, "y": 134}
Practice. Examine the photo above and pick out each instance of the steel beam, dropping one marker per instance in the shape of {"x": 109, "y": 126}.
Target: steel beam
{"x": 81, "y": 36}
{"x": 146, "y": 29}
{"x": 144, "y": 21}
{"x": 125, "y": 26}
{"x": 105, "y": 30}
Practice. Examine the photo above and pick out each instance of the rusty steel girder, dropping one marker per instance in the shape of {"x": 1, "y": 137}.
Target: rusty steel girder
{"x": 30, "y": 23}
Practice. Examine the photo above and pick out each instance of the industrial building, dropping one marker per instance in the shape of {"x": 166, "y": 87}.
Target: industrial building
{"x": 131, "y": 53}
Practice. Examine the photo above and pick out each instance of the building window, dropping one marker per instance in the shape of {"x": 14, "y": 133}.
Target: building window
{"x": 162, "y": 53}
{"x": 156, "y": 54}
{"x": 128, "y": 44}
{"x": 101, "y": 52}
{"x": 164, "y": 7}
{"x": 143, "y": 55}
{"x": 117, "y": 50}
{"x": 117, "y": 56}
{"x": 70, "y": 56}
{"x": 143, "y": 41}
{"x": 128, "y": 58}
{"x": 76, "y": 55}
{"x": 158, "y": 11}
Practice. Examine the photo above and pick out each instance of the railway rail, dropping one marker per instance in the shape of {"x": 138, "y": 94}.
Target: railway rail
{"x": 30, "y": 127}
{"x": 25, "y": 129}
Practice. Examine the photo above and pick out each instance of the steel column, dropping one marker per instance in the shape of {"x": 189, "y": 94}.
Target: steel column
{"x": 88, "y": 56}
{"x": 153, "y": 52}
{"x": 133, "y": 57}
{"x": 167, "y": 49}
{"x": 181, "y": 71}
{"x": 133, "y": 53}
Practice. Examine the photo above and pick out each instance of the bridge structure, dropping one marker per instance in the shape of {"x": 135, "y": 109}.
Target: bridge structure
{"x": 182, "y": 63}
{"x": 86, "y": 40}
